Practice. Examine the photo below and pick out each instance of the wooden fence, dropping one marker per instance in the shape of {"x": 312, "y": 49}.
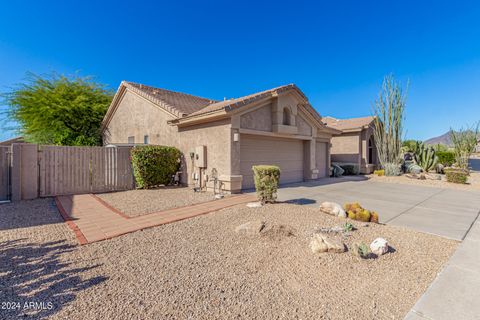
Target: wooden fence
{"x": 4, "y": 173}
{"x": 74, "y": 170}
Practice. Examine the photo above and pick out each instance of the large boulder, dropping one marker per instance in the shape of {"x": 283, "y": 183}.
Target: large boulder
{"x": 379, "y": 246}
{"x": 333, "y": 208}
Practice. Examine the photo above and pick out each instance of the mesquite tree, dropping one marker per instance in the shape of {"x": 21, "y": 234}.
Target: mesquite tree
{"x": 388, "y": 130}
{"x": 464, "y": 143}
{"x": 56, "y": 109}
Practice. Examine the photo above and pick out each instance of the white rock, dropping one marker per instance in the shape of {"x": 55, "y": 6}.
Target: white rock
{"x": 333, "y": 208}
{"x": 322, "y": 243}
{"x": 379, "y": 246}
{"x": 318, "y": 245}
{"x": 254, "y": 204}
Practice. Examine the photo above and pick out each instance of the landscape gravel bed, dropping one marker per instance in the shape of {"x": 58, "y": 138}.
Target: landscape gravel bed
{"x": 473, "y": 182}
{"x": 143, "y": 201}
{"x": 201, "y": 268}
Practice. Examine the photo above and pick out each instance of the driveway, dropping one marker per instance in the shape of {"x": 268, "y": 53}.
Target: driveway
{"x": 444, "y": 212}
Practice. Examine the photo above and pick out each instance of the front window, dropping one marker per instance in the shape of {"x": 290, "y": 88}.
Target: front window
{"x": 131, "y": 139}
{"x": 146, "y": 139}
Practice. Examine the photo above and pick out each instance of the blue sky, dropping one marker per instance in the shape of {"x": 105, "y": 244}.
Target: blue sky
{"x": 337, "y": 52}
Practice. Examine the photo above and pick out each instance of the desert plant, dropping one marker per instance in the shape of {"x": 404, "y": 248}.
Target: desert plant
{"x": 464, "y": 143}
{"x": 337, "y": 171}
{"x": 347, "y": 227}
{"x": 409, "y": 145}
{"x": 456, "y": 175}
{"x": 388, "y": 125}
{"x": 361, "y": 250}
{"x": 154, "y": 165}
{"x": 356, "y": 212}
{"x": 446, "y": 158}
{"x": 379, "y": 172}
{"x": 363, "y": 215}
{"x": 266, "y": 182}
{"x": 414, "y": 168}
{"x": 373, "y": 217}
{"x": 425, "y": 157}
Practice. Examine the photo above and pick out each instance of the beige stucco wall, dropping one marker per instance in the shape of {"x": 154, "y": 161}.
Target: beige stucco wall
{"x": 136, "y": 116}
{"x": 353, "y": 148}
{"x": 346, "y": 148}
{"x": 260, "y": 119}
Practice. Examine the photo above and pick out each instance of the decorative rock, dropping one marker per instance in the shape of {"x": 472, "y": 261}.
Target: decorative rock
{"x": 254, "y": 204}
{"x": 321, "y": 243}
{"x": 333, "y": 208}
{"x": 218, "y": 196}
{"x": 379, "y": 246}
{"x": 250, "y": 228}
{"x": 318, "y": 245}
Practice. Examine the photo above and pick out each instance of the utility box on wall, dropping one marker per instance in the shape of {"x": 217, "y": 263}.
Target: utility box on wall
{"x": 201, "y": 156}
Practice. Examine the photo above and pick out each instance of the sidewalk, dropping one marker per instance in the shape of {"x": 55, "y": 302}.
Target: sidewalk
{"x": 455, "y": 293}
{"x": 92, "y": 220}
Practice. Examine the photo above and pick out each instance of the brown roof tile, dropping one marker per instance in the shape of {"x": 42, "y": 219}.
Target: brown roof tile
{"x": 238, "y": 102}
{"x": 182, "y": 103}
{"x": 347, "y": 124}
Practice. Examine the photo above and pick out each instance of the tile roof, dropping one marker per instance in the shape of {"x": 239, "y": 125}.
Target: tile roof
{"x": 231, "y": 104}
{"x": 181, "y": 103}
{"x": 347, "y": 124}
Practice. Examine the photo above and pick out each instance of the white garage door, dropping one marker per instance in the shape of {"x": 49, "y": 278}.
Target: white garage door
{"x": 285, "y": 153}
{"x": 321, "y": 159}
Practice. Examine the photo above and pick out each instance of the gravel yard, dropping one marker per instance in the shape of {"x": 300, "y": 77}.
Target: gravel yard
{"x": 201, "y": 268}
{"x": 139, "y": 202}
{"x": 473, "y": 182}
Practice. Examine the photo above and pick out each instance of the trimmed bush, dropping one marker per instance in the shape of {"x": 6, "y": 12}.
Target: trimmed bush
{"x": 266, "y": 182}
{"x": 350, "y": 169}
{"x": 447, "y": 158}
{"x": 154, "y": 165}
{"x": 379, "y": 173}
{"x": 456, "y": 176}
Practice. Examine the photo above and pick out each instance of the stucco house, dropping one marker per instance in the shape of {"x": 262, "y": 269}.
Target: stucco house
{"x": 276, "y": 126}
{"x": 355, "y": 143}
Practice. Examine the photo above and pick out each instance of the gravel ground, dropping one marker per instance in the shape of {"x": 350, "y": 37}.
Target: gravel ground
{"x": 201, "y": 268}
{"x": 139, "y": 202}
{"x": 473, "y": 181}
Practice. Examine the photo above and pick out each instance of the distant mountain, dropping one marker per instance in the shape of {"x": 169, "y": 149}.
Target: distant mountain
{"x": 443, "y": 139}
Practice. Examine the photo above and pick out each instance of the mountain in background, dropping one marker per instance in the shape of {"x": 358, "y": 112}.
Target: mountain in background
{"x": 443, "y": 139}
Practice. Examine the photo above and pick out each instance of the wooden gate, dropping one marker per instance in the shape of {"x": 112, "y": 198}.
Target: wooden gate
{"x": 5, "y": 173}
{"x": 75, "y": 170}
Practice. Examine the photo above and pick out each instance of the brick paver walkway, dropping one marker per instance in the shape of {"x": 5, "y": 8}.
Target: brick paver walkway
{"x": 93, "y": 220}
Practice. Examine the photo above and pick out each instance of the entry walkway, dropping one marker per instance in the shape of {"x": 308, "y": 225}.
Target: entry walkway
{"x": 92, "y": 220}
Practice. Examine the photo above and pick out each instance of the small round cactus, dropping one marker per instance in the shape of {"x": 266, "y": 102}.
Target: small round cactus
{"x": 374, "y": 217}
{"x": 363, "y": 215}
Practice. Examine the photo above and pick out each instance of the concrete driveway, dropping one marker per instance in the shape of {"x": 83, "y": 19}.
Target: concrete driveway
{"x": 445, "y": 212}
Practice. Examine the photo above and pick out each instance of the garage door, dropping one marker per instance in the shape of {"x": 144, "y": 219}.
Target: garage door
{"x": 285, "y": 153}
{"x": 321, "y": 159}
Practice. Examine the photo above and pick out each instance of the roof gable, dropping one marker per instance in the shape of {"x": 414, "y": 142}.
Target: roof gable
{"x": 348, "y": 124}
{"x": 183, "y": 103}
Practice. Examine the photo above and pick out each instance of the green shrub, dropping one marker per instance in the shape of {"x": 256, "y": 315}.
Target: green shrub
{"x": 379, "y": 172}
{"x": 266, "y": 182}
{"x": 447, "y": 158}
{"x": 456, "y": 175}
{"x": 154, "y": 165}
{"x": 350, "y": 169}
